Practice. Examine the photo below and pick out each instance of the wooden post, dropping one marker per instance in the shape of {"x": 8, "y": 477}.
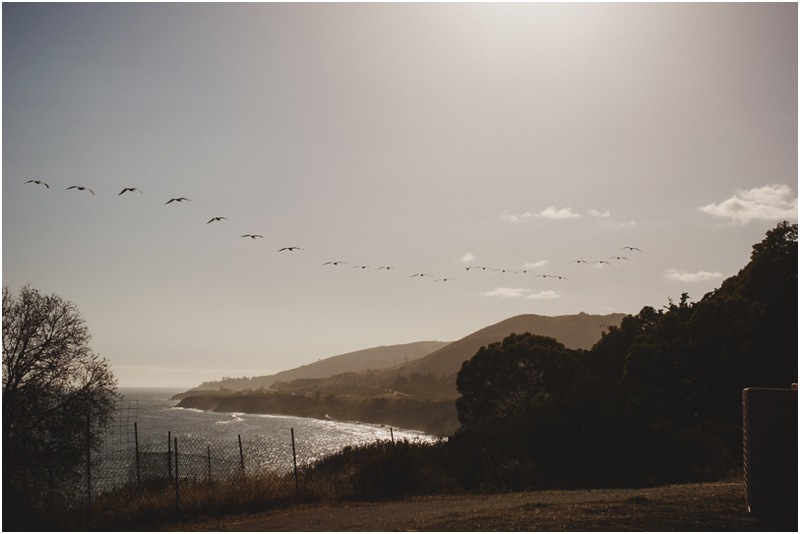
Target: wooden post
{"x": 241, "y": 453}
{"x": 169, "y": 455}
{"x": 136, "y": 442}
{"x": 392, "y": 433}
{"x": 89, "y": 464}
{"x": 209, "y": 463}
{"x": 177, "y": 478}
{"x": 294, "y": 459}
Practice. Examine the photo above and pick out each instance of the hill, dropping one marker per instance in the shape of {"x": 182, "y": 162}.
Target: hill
{"x": 373, "y": 358}
{"x": 579, "y": 331}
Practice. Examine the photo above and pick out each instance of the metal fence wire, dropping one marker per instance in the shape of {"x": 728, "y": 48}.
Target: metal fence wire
{"x": 191, "y": 460}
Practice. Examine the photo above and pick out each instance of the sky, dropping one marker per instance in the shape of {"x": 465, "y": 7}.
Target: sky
{"x": 425, "y": 137}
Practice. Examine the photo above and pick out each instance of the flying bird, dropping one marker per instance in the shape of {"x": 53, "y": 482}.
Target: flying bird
{"x": 217, "y": 219}
{"x": 81, "y": 188}
{"x": 38, "y": 182}
{"x": 506, "y": 271}
{"x": 361, "y": 267}
{"x": 444, "y": 279}
{"x": 333, "y": 262}
{"x": 580, "y": 261}
{"x": 420, "y": 274}
{"x": 252, "y": 236}
{"x": 631, "y": 248}
{"x": 619, "y": 258}
{"x": 129, "y": 189}
{"x": 290, "y": 249}
{"x": 387, "y": 267}
{"x": 602, "y": 261}
{"x": 176, "y": 200}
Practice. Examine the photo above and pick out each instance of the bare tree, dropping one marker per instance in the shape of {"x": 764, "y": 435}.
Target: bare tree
{"x": 56, "y": 393}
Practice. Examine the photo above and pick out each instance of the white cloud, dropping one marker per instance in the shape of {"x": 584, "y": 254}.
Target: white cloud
{"x": 536, "y": 264}
{"x": 506, "y": 292}
{"x": 468, "y": 257}
{"x": 527, "y": 214}
{"x": 563, "y": 213}
{"x": 509, "y": 217}
{"x": 621, "y": 224}
{"x": 674, "y": 274}
{"x": 544, "y": 295}
{"x": 595, "y": 213}
{"x": 769, "y": 203}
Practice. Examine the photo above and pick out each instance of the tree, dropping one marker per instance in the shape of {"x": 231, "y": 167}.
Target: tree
{"x": 56, "y": 392}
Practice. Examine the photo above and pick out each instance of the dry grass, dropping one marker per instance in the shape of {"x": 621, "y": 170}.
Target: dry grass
{"x": 689, "y": 507}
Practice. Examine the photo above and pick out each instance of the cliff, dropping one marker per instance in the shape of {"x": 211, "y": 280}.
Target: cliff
{"x": 432, "y": 417}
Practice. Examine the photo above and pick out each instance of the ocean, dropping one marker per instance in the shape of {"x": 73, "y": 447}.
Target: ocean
{"x": 156, "y": 417}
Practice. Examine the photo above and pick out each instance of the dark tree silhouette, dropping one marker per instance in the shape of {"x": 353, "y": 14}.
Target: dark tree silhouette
{"x": 54, "y": 387}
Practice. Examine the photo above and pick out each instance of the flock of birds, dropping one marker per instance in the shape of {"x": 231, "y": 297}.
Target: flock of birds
{"x": 598, "y": 263}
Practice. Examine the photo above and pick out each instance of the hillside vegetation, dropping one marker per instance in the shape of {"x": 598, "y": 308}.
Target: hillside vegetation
{"x": 579, "y": 331}
{"x": 372, "y": 358}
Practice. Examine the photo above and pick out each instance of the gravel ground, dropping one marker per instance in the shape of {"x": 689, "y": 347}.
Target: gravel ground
{"x": 690, "y": 507}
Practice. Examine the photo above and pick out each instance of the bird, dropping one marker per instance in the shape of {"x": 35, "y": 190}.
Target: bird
{"x": 252, "y": 236}
{"x": 506, "y": 271}
{"x": 129, "y": 189}
{"x": 443, "y": 279}
{"x": 290, "y": 249}
{"x": 580, "y": 261}
{"x": 81, "y": 188}
{"x": 420, "y": 274}
{"x": 560, "y": 277}
{"x": 176, "y": 200}
{"x": 619, "y": 258}
{"x": 361, "y": 267}
{"x": 602, "y": 261}
{"x": 387, "y": 267}
{"x": 38, "y": 182}
{"x": 217, "y": 219}
{"x": 631, "y": 248}
{"x": 333, "y": 262}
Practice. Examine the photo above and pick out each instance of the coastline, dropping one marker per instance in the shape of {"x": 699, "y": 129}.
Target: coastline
{"x": 432, "y": 417}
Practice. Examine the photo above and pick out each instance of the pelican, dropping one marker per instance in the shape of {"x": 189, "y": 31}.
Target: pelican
{"x": 129, "y": 189}
{"x": 176, "y": 200}
{"x": 252, "y": 236}
{"x": 631, "y": 248}
{"x": 81, "y": 188}
{"x": 217, "y": 219}
{"x": 290, "y": 249}
{"x": 38, "y": 182}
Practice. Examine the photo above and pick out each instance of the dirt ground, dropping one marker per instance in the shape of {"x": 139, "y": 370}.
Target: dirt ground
{"x": 717, "y": 506}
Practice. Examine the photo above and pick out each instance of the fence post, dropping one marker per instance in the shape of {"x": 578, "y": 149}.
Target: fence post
{"x": 294, "y": 459}
{"x": 209, "y": 463}
{"x": 89, "y": 464}
{"x": 392, "y": 433}
{"x": 169, "y": 455}
{"x": 241, "y": 453}
{"x": 136, "y": 441}
{"x": 177, "y": 478}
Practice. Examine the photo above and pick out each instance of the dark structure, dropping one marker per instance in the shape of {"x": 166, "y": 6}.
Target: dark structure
{"x": 770, "y": 454}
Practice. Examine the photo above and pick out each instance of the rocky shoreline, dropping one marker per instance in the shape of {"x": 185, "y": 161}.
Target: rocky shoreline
{"x": 431, "y": 417}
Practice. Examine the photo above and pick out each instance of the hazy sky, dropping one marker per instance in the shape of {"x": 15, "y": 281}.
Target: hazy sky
{"x": 427, "y": 137}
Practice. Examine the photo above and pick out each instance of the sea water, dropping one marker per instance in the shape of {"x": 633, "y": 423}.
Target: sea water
{"x": 156, "y": 417}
